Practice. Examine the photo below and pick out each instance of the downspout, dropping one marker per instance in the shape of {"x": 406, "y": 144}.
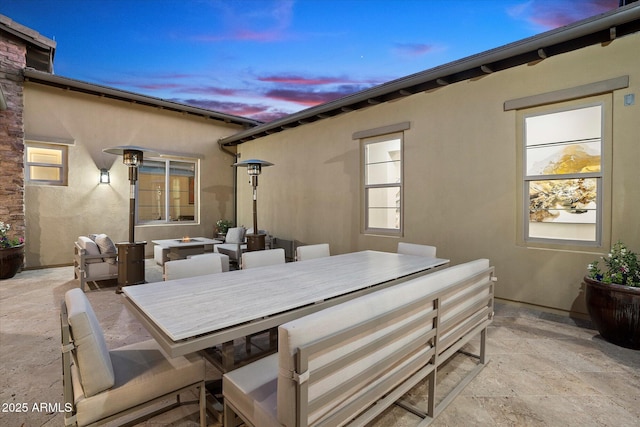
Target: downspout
{"x": 235, "y": 180}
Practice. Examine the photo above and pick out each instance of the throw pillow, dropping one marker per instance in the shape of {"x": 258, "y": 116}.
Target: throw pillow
{"x": 106, "y": 247}
{"x": 89, "y": 245}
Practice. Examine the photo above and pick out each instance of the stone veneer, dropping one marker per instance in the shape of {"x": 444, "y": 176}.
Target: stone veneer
{"x": 13, "y": 52}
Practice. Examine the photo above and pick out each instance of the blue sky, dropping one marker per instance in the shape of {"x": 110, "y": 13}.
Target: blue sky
{"x": 267, "y": 58}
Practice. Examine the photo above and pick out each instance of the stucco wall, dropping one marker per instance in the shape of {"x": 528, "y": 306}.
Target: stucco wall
{"x": 55, "y": 216}
{"x": 460, "y": 176}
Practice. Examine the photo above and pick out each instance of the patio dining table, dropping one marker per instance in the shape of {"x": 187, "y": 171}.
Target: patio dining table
{"x": 193, "y": 314}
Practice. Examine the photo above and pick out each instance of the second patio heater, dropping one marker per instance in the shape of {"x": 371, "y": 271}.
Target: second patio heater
{"x": 255, "y": 241}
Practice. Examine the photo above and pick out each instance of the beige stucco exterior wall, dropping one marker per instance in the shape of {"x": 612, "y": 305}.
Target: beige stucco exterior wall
{"x": 460, "y": 175}
{"x": 55, "y": 216}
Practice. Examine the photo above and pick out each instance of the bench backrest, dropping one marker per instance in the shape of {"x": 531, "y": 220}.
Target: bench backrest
{"x": 335, "y": 363}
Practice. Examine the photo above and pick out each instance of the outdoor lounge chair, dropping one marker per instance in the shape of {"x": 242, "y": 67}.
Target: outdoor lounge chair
{"x": 234, "y": 244}
{"x": 94, "y": 259}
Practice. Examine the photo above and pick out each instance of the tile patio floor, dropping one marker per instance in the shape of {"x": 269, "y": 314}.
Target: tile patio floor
{"x": 545, "y": 369}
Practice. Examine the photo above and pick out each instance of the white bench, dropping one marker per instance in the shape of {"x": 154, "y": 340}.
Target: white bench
{"x": 348, "y": 363}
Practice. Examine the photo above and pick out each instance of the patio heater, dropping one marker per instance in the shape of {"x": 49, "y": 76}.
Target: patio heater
{"x": 255, "y": 241}
{"x": 131, "y": 253}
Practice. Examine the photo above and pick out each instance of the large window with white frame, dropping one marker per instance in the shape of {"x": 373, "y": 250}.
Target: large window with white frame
{"x": 382, "y": 157}
{"x": 46, "y": 164}
{"x": 563, "y": 175}
{"x": 167, "y": 191}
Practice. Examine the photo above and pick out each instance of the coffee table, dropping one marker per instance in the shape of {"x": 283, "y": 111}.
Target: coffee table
{"x": 183, "y": 247}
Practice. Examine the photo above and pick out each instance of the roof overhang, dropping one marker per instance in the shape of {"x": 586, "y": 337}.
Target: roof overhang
{"x": 40, "y": 49}
{"x": 602, "y": 28}
{"x": 66, "y": 83}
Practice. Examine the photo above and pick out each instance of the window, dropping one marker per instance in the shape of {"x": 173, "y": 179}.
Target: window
{"x": 383, "y": 183}
{"x": 563, "y": 175}
{"x": 167, "y": 191}
{"x": 46, "y": 164}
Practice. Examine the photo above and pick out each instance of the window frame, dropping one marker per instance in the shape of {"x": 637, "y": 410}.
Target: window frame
{"x": 364, "y": 142}
{"x": 194, "y": 193}
{"x": 603, "y": 201}
{"x": 63, "y": 166}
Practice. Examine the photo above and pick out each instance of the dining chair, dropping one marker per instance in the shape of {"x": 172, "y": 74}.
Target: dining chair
{"x": 255, "y": 259}
{"x": 101, "y": 385}
{"x": 264, "y": 258}
{"x": 194, "y": 266}
{"x": 307, "y": 252}
{"x": 416, "y": 250}
{"x": 224, "y": 259}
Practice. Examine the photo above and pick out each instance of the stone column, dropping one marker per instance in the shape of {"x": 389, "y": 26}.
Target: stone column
{"x": 13, "y": 53}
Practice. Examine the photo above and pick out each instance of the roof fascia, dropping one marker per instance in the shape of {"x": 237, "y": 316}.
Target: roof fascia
{"x": 598, "y": 29}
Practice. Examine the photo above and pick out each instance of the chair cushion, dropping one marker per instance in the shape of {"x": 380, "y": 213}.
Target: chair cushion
{"x": 106, "y": 247}
{"x": 101, "y": 269}
{"x": 235, "y": 235}
{"x": 94, "y": 362}
{"x": 142, "y": 373}
{"x": 90, "y": 247}
{"x": 252, "y": 385}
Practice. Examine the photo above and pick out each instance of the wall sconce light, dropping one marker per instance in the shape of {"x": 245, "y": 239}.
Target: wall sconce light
{"x": 104, "y": 176}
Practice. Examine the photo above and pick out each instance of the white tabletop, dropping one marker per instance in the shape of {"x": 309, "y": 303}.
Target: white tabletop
{"x": 193, "y": 241}
{"x": 193, "y": 307}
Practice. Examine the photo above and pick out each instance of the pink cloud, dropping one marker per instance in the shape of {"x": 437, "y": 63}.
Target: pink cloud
{"x": 210, "y": 90}
{"x": 255, "y": 111}
{"x": 311, "y": 98}
{"x": 550, "y": 15}
{"x": 300, "y": 80}
{"x": 414, "y": 49}
{"x": 157, "y": 86}
{"x": 266, "y": 22}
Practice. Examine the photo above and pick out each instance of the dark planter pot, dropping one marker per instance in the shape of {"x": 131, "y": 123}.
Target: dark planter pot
{"x": 615, "y": 311}
{"x": 11, "y": 260}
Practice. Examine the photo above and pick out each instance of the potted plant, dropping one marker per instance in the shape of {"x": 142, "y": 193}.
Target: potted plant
{"x": 613, "y": 297}
{"x": 11, "y": 253}
{"x": 222, "y": 225}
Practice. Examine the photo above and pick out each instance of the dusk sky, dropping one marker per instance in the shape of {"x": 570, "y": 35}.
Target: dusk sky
{"x": 264, "y": 59}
